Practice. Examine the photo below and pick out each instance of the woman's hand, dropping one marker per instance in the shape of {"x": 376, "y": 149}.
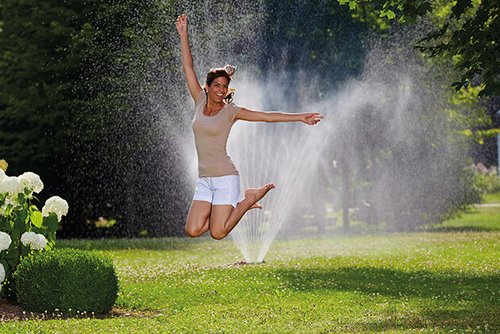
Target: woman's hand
{"x": 181, "y": 24}
{"x": 187, "y": 59}
{"x": 311, "y": 118}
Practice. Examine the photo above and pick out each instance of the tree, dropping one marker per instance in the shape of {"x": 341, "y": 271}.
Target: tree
{"x": 35, "y": 80}
{"x": 129, "y": 167}
{"x": 398, "y": 136}
{"x": 467, "y": 33}
{"x": 74, "y": 108}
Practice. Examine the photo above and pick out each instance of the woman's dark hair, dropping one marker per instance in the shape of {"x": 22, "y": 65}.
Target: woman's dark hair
{"x": 226, "y": 72}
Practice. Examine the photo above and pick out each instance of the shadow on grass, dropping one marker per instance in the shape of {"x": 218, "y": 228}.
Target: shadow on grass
{"x": 464, "y": 228}
{"x": 449, "y": 299}
{"x": 137, "y": 243}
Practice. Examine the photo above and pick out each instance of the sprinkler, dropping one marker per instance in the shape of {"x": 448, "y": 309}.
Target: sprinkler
{"x": 244, "y": 263}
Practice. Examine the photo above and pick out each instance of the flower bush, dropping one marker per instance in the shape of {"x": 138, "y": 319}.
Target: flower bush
{"x": 35, "y": 241}
{"x": 5, "y": 241}
{"x": 24, "y": 229}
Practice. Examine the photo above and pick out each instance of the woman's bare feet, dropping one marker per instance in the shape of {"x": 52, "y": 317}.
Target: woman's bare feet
{"x": 256, "y": 206}
{"x": 254, "y": 195}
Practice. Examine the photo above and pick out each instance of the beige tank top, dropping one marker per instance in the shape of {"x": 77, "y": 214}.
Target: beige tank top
{"x": 210, "y": 136}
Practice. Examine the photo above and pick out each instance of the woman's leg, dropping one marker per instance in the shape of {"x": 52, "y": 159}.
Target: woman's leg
{"x": 223, "y": 218}
{"x": 198, "y": 219}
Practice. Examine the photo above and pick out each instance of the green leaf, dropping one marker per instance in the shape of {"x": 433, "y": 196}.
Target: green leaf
{"x": 18, "y": 228}
{"x": 387, "y": 13}
{"x": 460, "y": 7}
{"x": 51, "y": 222}
{"x": 23, "y": 215}
{"x": 4, "y": 224}
{"x": 13, "y": 257}
{"x": 21, "y": 198}
{"x": 353, "y": 4}
{"x": 38, "y": 230}
{"x": 25, "y": 251}
{"x": 36, "y": 218}
{"x": 50, "y": 243}
{"x": 9, "y": 209}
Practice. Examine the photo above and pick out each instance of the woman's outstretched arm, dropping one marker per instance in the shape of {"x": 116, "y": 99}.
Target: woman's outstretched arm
{"x": 187, "y": 59}
{"x": 269, "y": 116}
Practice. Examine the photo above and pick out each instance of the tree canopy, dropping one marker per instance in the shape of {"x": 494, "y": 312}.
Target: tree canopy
{"x": 92, "y": 96}
{"x": 466, "y": 31}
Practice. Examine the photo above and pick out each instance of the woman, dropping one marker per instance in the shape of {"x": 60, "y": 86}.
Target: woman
{"x": 216, "y": 205}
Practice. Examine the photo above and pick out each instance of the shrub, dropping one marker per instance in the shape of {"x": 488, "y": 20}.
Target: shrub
{"x": 24, "y": 229}
{"x": 486, "y": 178}
{"x": 66, "y": 280}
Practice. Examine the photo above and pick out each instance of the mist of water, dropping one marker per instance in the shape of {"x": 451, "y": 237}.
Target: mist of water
{"x": 385, "y": 127}
{"x": 395, "y": 112}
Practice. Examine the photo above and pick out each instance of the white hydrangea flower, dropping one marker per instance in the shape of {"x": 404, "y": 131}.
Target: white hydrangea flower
{"x": 36, "y": 241}
{"x": 57, "y": 205}
{"x": 2, "y": 174}
{"x": 11, "y": 185}
{"x": 2, "y": 275}
{"x": 7, "y": 202}
{"x": 5, "y": 241}
{"x": 31, "y": 181}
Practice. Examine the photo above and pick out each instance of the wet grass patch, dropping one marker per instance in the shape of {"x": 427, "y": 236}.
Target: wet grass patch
{"x": 401, "y": 283}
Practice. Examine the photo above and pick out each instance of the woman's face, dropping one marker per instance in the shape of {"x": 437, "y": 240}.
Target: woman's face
{"x": 217, "y": 91}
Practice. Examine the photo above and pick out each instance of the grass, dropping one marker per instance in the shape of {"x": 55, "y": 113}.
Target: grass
{"x": 475, "y": 219}
{"x": 485, "y": 218}
{"x": 491, "y": 198}
{"x": 446, "y": 281}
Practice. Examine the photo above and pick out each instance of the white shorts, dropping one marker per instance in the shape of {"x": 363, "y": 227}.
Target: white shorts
{"x": 218, "y": 190}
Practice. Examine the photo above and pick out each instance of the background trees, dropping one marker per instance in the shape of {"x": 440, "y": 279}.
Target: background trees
{"x": 465, "y": 31}
{"x": 72, "y": 99}
{"x": 92, "y": 98}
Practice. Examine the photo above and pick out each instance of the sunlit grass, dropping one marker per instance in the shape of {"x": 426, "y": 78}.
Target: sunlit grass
{"x": 403, "y": 283}
{"x": 476, "y": 219}
{"x": 491, "y": 198}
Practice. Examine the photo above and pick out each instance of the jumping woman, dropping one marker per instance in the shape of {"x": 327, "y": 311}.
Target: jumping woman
{"x": 216, "y": 205}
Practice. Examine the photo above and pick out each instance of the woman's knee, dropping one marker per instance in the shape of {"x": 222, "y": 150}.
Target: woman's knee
{"x": 193, "y": 232}
{"x": 218, "y": 234}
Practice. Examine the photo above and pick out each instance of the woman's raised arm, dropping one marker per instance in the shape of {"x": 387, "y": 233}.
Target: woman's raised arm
{"x": 187, "y": 59}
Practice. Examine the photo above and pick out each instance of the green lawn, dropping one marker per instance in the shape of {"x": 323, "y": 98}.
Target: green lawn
{"x": 445, "y": 281}
{"x": 491, "y": 198}
{"x": 476, "y": 219}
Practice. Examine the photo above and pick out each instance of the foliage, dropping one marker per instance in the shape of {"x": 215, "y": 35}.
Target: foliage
{"x": 34, "y": 84}
{"x": 26, "y": 229}
{"x": 127, "y": 65}
{"x": 474, "y": 44}
{"x": 67, "y": 280}
{"x": 94, "y": 88}
{"x": 475, "y": 219}
{"x": 397, "y": 283}
{"x": 492, "y": 197}
{"x": 467, "y": 32}
{"x": 320, "y": 45}
{"x": 91, "y": 94}
{"x": 486, "y": 178}
{"x": 72, "y": 94}
{"x": 399, "y": 143}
